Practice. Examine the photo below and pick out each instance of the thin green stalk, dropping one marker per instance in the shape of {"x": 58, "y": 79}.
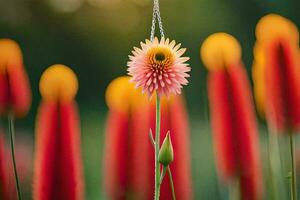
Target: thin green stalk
{"x": 234, "y": 190}
{"x": 171, "y": 183}
{"x": 157, "y": 138}
{"x": 11, "y": 131}
{"x": 293, "y": 182}
{"x": 275, "y": 166}
{"x": 272, "y": 174}
{"x": 163, "y": 173}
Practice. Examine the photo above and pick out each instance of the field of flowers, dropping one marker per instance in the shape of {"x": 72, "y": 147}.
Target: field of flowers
{"x": 149, "y": 99}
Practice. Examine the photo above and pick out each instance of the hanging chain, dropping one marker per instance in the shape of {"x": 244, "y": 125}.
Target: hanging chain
{"x": 156, "y": 16}
{"x": 161, "y": 29}
{"x": 153, "y": 23}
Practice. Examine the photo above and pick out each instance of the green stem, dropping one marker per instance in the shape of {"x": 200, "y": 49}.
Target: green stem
{"x": 293, "y": 182}
{"x": 157, "y": 138}
{"x": 171, "y": 183}
{"x": 275, "y": 166}
{"x": 234, "y": 190}
{"x": 11, "y": 130}
{"x": 163, "y": 173}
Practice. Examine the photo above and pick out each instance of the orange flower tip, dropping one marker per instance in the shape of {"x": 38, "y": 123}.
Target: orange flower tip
{"x": 258, "y": 68}
{"x": 159, "y": 66}
{"x": 219, "y": 51}
{"x": 58, "y": 83}
{"x": 258, "y": 51}
{"x": 9, "y": 52}
{"x": 273, "y": 26}
{"x": 166, "y": 153}
{"x": 122, "y": 95}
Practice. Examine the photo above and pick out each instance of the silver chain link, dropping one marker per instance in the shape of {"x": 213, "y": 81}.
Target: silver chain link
{"x": 156, "y": 16}
{"x": 153, "y": 23}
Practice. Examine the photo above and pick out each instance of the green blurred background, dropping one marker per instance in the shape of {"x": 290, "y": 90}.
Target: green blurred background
{"x": 94, "y": 37}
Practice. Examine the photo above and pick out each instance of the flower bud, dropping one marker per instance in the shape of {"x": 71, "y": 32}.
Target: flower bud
{"x": 166, "y": 154}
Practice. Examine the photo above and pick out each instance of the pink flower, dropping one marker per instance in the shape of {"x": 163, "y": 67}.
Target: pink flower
{"x": 158, "y": 66}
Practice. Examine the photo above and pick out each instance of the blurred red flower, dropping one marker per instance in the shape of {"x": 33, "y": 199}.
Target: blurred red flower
{"x": 15, "y": 95}
{"x": 279, "y": 74}
{"x": 232, "y": 114}
{"x": 58, "y": 168}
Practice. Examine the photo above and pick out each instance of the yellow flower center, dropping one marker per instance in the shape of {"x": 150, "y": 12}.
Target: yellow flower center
{"x": 220, "y": 50}
{"x": 9, "y": 52}
{"x": 160, "y": 58}
{"x": 58, "y": 83}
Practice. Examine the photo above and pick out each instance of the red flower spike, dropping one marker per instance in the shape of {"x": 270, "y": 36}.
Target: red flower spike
{"x": 282, "y": 85}
{"x": 114, "y": 176}
{"x": 233, "y": 118}
{"x": 129, "y": 154}
{"x": 15, "y": 90}
{"x": 235, "y": 131}
{"x": 58, "y": 168}
{"x": 277, "y": 42}
{"x": 126, "y": 143}
{"x": 126, "y": 156}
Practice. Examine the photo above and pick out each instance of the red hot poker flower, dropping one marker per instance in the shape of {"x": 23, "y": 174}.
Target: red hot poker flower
{"x": 126, "y": 144}
{"x": 232, "y": 113}
{"x": 278, "y": 74}
{"x": 15, "y": 95}
{"x": 129, "y": 159}
{"x": 58, "y": 168}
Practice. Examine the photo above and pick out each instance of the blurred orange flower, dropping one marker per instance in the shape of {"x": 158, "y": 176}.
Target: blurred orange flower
{"x": 58, "y": 168}
{"x": 232, "y": 114}
{"x": 15, "y": 95}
